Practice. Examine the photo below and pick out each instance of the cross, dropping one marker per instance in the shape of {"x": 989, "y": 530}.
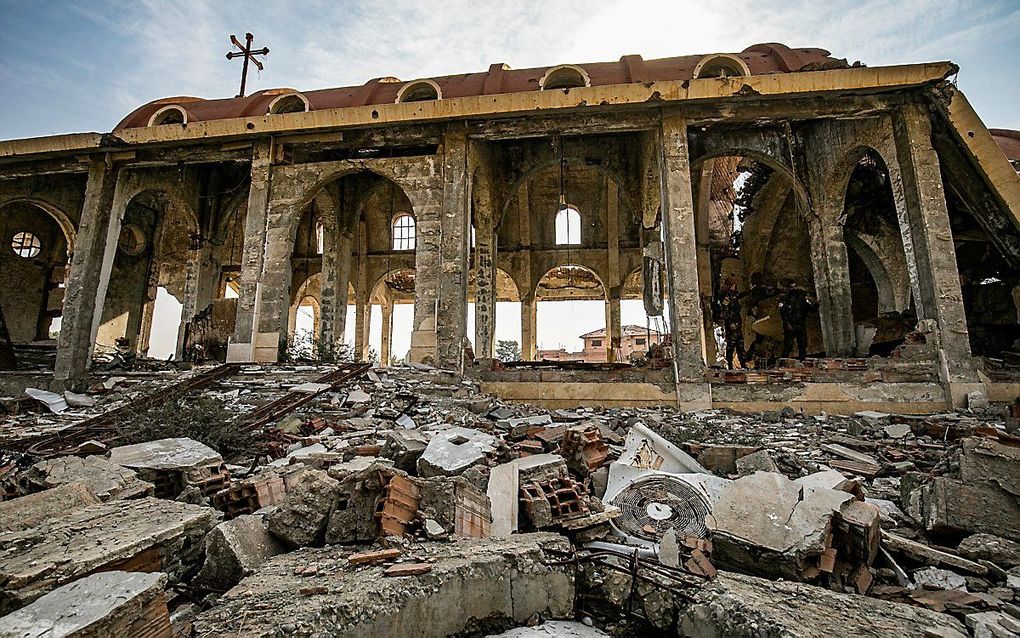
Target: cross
{"x": 246, "y": 52}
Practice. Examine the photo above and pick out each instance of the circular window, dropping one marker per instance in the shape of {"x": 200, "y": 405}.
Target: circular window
{"x": 132, "y": 240}
{"x": 26, "y": 245}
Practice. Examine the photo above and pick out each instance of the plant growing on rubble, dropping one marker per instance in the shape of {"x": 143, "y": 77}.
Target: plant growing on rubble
{"x": 204, "y": 419}
{"x": 508, "y": 350}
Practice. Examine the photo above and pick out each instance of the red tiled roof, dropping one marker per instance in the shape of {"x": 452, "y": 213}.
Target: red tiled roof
{"x": 761, "y": 59}
{"x": 1008, "y": 141}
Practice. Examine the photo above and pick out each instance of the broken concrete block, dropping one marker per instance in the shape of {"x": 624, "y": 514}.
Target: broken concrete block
{"x": 897, "y": 430}
{"x": 929, "y": 555}
{"x": 993, "y": 624}
{"x": 669, "y": 549}
{"x": 454, "y": 450}
{"x": 301, "y": 517}
{"x": 235, "y": 549}
{"x": 935, "y": 578}
{"x": 355, "y": 520}
{"x": 113, "y": 603}
{"x": 945, "y": 504}
{"x": 555, "y": 629}
{"x": 503, "y": 582}
{"x": 976, "y": 401}
{"x": 28, "y": 511}
{"x": 760, "y": 461}
{"x": 108, "y": 481}
{"x": 503, "y": 488}
{"x": 404, "y": 447}
{"x": 765, "y": 523}
{"x": 165, "y": 454}
{"x": 987, "y": 460}
{"x": 1002, "y": 552}
{"x": 739, "y": 605}
{"x": 173, "y": 464}
{"x": 456, "y": 505}
{"x": 145, "y": 534}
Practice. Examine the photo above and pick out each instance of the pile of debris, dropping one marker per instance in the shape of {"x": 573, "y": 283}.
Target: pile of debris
{"x": 405, "y": 502}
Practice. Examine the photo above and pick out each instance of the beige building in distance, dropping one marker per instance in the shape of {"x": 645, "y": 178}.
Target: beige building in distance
{"x": 596, "y": 347}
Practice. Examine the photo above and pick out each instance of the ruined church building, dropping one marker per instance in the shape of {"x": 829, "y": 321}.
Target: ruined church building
{"x": 876, "y": 189}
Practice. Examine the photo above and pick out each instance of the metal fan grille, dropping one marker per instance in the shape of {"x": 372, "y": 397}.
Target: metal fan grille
{"x": 653, "y": 504}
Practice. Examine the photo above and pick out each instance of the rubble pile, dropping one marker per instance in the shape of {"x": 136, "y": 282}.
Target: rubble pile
{"x": 405, "y": 502}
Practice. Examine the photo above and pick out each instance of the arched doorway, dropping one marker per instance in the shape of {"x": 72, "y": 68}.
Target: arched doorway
{"x": 571, "y": 317}
{"x": 36, "y": 241}
{"x": 146, "y": 291}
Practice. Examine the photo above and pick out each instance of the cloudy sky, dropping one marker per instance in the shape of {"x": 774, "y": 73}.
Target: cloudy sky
{"x": 68, "y": 66}
{"x": 83, "y": 65}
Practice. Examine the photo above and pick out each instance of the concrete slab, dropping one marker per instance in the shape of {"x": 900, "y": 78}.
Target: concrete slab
{"x": 112, "y": 603}
{"x": 472, "y": 583}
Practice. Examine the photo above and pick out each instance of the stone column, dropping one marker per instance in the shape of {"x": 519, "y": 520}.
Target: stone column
{"x": 362, "y": 310}
{"x": 485, "y": 252}
{"x": 336, "y": 271}
{"x": 829, "y": 261}
{"x": 386, "y": 343}
{"x": 704, "y": 208}
{"x": 241, "y": 346}
{"x": 451, "y": 320}
{"x": 928, "y": 242}
{"x": 613, "y": 332}
{"x": 89, "y": 275}
{"x": 681, "y": 250}
{"x": 529, "y": 326}
{"x": 198, "y": 254}
{"x": 831, "y": 271}
{"x": 614, "y": 329}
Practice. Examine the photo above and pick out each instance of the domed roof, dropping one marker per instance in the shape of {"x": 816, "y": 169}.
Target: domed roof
{"x": 760, "y": 59}
{"x": 1008, "y": 141}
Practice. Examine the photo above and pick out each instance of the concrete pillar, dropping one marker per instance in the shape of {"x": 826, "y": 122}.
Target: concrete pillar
{"x": 337, "y": 243}
{"x": 831, "y": 272}
{"x": 362, "y": 313}
{"x": 387, "y": 333}
{"x": 89, "y": 275}
{"x": 451, "y": 320}
{"x": 529, "y": 326}
{"x": 613, "y": 332}
{"x": 362, "y": 310}
{"x": 241, "y": 346}
{"x": 681, "y": 250}
{"x": 614, "y": 329}
{"x": 485, "y": 252}
{"x": 701, "y": 232}
{"x": 928, "y": 243}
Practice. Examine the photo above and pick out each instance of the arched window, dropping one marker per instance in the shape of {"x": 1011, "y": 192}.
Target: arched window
{"x": 169, "y": 115}
{"x": 26, "y": 245}
{"x": 564, "y": 77}
{"x": 289, "y": 103}
{"x": 419, "y": 91}
{"x": 403, "y": 232}
{"x": 320, "y": 239}
{"x": 568, "y": 227}
{"x": 720, "y": 66}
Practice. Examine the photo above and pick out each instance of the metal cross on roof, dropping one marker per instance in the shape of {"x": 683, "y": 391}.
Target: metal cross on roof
{"x": 248, "y": 55}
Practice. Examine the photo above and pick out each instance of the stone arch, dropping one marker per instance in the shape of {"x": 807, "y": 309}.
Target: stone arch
{"x": 583, "y": 278}
{"x": 612, "y": 173}
{"x": 505, "y": 285}
{"x": 58, "y": 216}
{"x": 776, "y": 164}
{"x": 865, "y": 250}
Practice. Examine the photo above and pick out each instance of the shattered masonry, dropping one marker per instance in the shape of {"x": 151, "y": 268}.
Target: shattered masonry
{"x": 266, "y": 483}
